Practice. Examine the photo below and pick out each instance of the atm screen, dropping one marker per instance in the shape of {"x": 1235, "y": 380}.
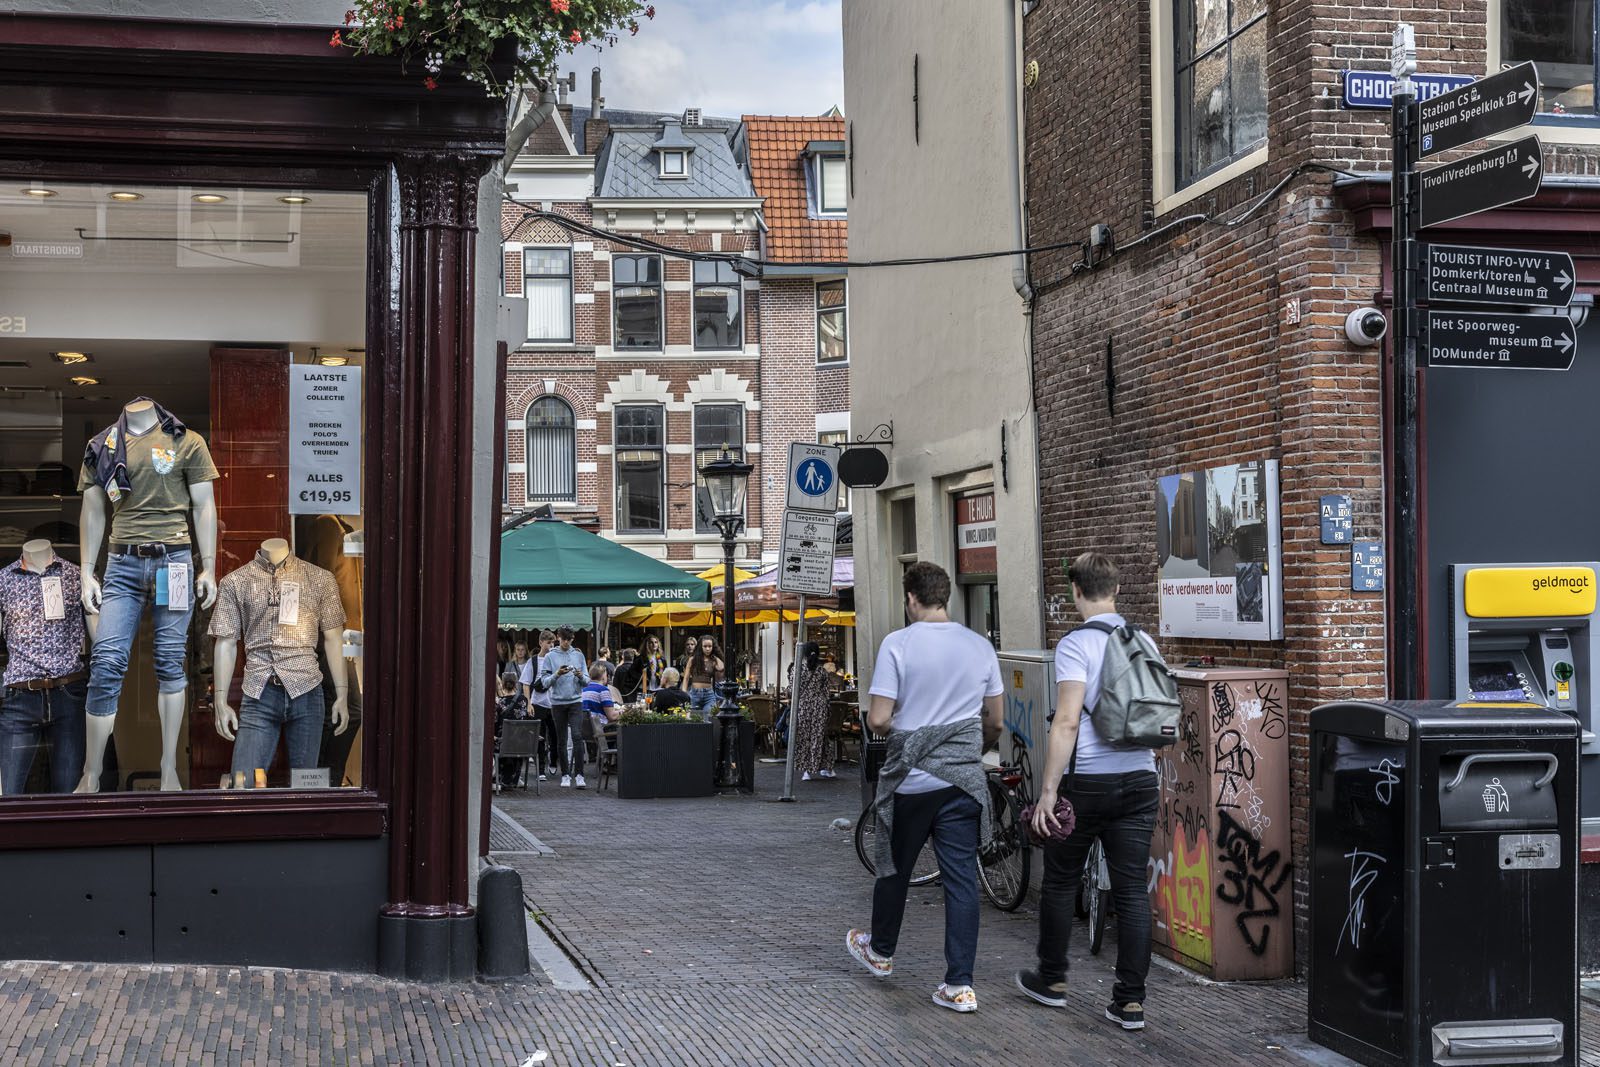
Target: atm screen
{"x": 1495, "y": 679}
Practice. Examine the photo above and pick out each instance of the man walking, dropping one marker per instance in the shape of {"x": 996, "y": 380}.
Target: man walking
{"x": 936, "y": 693}
{"x": 1114, "y": 796}
{"x": 539, "y": 699}
{"x": 563, "y": 674}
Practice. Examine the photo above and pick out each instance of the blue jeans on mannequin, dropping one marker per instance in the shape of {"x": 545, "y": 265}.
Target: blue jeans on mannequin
{"x": 263, "y": 719}
{"x": 27, "y": 719}
{"x": 128, "y": 587}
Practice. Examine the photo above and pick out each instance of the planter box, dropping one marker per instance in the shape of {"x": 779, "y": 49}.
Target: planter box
{"x": 665, "y": 760}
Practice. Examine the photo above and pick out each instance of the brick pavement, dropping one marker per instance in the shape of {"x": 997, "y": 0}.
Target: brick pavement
{"x": 713, "y": 932}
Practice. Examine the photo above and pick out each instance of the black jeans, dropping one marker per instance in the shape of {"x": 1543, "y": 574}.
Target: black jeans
{"x": 1119, "y": 809}
{"x": 570, "y": 719}
{"x": 951, "y": 816}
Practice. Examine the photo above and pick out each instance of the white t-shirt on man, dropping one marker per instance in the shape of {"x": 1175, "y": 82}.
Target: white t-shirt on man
{"x": 531, "y": 670}
{"x": 936, "y": 673}
{"x": 1078, "y": 659}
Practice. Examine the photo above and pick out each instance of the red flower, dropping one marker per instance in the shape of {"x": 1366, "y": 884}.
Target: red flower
{"x": 336, "y": 40}
{"x": 633, "y": 29}
{"x": 561, "y": 7}
{"x": 349, "y": 17}
{"x": 399, "y": 20}
{"x": 430, "y": 84}
{"x": 650, "y": 12}
{"x": 576, "y": 37}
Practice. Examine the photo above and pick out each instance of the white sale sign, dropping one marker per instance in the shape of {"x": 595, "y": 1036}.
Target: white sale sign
{"x": 324, "y": 440}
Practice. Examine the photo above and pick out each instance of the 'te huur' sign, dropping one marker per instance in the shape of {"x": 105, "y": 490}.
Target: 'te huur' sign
{"x": 1499, "y": 340}
{"x": 1502, "y": 175}
{"x": 1482, "y": 109}
{"x": 1464, "y": 274}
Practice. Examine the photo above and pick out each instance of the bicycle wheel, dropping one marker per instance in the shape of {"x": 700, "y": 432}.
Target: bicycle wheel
{"x": 927, "y": 868}
{"x": 1003, "y": 866}
{"x": 1099, "y": 899}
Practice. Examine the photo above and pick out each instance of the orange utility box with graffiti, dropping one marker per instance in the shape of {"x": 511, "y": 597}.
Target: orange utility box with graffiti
{"x": 1220, "y": 881}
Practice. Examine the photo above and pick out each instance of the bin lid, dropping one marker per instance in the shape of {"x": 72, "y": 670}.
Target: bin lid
{"x": 1397, "y": 720}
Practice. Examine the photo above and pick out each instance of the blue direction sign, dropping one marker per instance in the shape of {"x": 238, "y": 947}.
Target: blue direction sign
{"x": 1375, "y": 88}
{"x": 1337, "y": 520}
{"x": 1366, "y": 567}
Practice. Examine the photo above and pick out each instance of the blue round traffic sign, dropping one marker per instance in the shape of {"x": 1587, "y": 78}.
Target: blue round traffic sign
{"x": 814, "y": 478}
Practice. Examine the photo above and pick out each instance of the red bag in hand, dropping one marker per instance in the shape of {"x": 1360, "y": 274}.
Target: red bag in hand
{"x": 1064, "y": 815}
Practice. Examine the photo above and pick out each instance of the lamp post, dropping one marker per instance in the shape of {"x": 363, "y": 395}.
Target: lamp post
{"x": 726, "y": 478}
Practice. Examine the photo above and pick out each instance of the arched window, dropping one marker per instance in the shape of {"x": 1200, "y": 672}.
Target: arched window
{"x": 552, "y": 454}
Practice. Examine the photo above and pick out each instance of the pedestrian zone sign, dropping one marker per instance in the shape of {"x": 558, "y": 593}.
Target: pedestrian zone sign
{"x": 813, "y": 477}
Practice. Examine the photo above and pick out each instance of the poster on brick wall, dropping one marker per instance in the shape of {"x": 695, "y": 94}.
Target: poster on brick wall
{"x": 1219, "y": 560}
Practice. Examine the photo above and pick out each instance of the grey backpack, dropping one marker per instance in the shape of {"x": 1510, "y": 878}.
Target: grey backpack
{"x": 1138, "y": 702}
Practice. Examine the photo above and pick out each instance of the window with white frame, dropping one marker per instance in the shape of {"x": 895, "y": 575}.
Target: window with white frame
{"x": 674, "y": 163}
{"x": 832, "y": 323}
{"x": 1220, "y": 83}
{"x": 718, "y": 304}
{"x": 839, "y": 438}
{"x": 639, "y": 441}
{"x": 547, "y": 286}
{"x": 1560, "y": 38}
{"x": 831, "y": 186}
{"x": 636, "y": 299}
{"x": 718, "y": 429}
{"x": 552, "y": 451}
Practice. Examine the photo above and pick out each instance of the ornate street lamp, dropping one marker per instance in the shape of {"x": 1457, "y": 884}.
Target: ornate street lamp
{"x": 726, "y": 478}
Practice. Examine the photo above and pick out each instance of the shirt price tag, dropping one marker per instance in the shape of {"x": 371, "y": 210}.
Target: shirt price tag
{"x": 178, "y": 588}
{"x": 55, "y": 602}
{"x": 288, "y": 603}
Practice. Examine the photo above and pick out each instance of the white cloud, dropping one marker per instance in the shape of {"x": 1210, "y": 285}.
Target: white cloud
{"x": 726, "y": 57}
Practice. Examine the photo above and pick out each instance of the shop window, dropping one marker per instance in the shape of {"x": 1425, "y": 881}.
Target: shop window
{"x": 165, "y": 455}
{"x": 718, "y": 304}
{"x": 552, "y": 453}
{"x": 1560, "y": 38}
{"x": 636, "y": 294}
{"x": 839, "y": 438}
{"x": 832, "y": 338}
{"x": 718, "y": 429}
{"x": 1220, "y": 83}
{"x": 547, "y": 285}
{"x": 640, "y": 444}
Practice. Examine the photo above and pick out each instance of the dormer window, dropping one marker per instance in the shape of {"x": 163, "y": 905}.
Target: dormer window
{"x": 827, "y": 185}
{"x": 672, "y": 149}
{"x": 674, "y": 163}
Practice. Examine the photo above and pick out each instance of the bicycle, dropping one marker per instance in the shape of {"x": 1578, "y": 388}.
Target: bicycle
{"x": 1003, "y": 867}
{"x": 1094, "y": 895}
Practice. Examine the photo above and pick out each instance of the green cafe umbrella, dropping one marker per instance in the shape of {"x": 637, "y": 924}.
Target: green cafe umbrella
{"x": 551, "y": 564}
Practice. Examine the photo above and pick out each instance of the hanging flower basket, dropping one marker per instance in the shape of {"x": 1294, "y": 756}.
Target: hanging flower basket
{"x": 464, "y": 34}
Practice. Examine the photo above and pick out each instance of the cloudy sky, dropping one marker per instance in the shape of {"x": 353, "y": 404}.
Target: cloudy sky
{"x": 726, "y": 57}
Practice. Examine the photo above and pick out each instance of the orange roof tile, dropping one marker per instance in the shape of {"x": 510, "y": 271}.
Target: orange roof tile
{"x": 777, "y": 170}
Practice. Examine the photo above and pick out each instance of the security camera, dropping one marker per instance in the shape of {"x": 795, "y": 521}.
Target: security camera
{"x": 1365, "y": 326}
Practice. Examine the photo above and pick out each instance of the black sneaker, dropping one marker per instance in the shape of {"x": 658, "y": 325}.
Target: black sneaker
{"x": 1053, "y": 994}
{"x": 1129, "y": 1016}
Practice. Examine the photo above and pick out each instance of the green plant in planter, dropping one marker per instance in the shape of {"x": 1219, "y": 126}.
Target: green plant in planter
{"x": 654, "y": 718}
{"x": 465, "y": 33}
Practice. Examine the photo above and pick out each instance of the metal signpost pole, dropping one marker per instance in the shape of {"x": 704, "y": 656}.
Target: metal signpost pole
{"x": 794, "y": 686}
{"x": 1403, "y": 674}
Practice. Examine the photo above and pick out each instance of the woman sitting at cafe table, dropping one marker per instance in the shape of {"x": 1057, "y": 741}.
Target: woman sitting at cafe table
{"x": 669, "y": 697}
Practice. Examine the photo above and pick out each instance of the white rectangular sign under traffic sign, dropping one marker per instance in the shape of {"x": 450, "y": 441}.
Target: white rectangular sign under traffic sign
{"x": 813, "y": 477}
{"x": 806, "y": 563}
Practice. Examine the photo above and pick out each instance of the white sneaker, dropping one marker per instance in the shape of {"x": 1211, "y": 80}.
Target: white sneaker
{"x": 543, "y": 777}
{"x": 826, "y": 773}
{"x": 579, "y": 782}
{"x": 805, "y": 776}
{"x": 566, "y": 781}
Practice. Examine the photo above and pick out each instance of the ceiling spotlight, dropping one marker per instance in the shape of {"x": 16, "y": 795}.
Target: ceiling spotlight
{"x": 208, "y": 198}
{"x": 333, "y": 361}
{"x": 294, "y": 200}
{"x": 84, "y": 379}
{"x": 127, "y": 197}
{"x": 40, "y": 193}
{"x": 71, "y": 358}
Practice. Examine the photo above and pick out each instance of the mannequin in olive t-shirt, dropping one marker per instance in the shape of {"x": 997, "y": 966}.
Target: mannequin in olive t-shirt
{"x": 151, "y": 500}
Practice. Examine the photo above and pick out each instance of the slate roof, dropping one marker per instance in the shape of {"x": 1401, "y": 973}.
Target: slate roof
{"x": 775, "y": 146}
{"x": 623, "y": 117}
{"x": 626, "y": 167}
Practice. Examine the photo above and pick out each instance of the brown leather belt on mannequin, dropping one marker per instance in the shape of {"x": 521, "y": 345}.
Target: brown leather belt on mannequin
{"x": 34, "y": 685}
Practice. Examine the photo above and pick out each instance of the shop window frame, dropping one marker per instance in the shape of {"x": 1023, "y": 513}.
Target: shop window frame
{"x": 73, "y": 820}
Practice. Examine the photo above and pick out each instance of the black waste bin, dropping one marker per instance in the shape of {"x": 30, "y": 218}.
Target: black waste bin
{"x": 1444, "y": 854}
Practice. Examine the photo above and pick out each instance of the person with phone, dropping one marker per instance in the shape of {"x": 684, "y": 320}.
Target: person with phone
{"x": 563, "y": 673}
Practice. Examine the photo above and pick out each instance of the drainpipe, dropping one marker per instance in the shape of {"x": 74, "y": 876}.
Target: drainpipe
{"x": 523, "y": 128}
{"x": 1019, "y": 272}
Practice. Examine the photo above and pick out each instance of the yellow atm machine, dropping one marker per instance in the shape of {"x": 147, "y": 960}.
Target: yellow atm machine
{"x": 1527, "y": 632}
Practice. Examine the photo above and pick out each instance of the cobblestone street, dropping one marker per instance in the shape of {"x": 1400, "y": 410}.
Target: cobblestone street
{"x": 711, "y": 932}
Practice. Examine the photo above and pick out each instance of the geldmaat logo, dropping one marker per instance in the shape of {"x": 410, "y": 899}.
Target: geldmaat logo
{"x": 1574, "y": 584}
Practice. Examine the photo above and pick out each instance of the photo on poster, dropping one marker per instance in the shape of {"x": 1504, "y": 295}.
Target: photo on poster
{"x": 1218, "y": 553}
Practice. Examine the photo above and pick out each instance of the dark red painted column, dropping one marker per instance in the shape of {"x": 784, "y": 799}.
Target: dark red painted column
{"x": 427, "y": 927}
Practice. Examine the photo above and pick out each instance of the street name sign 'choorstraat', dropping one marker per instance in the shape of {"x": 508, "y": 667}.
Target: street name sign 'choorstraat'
{"x": 1488, "y": 180}
{"x": 1463, "y": 274}
{"x": 1488, "y": 106}
{"x": 1499, "y": 340}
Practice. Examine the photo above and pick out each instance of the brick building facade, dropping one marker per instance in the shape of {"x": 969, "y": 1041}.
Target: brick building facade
{"x": 1210, "y": 331}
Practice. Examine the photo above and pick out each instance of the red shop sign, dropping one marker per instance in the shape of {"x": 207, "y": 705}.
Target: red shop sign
{"x": 975, "y": 534}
